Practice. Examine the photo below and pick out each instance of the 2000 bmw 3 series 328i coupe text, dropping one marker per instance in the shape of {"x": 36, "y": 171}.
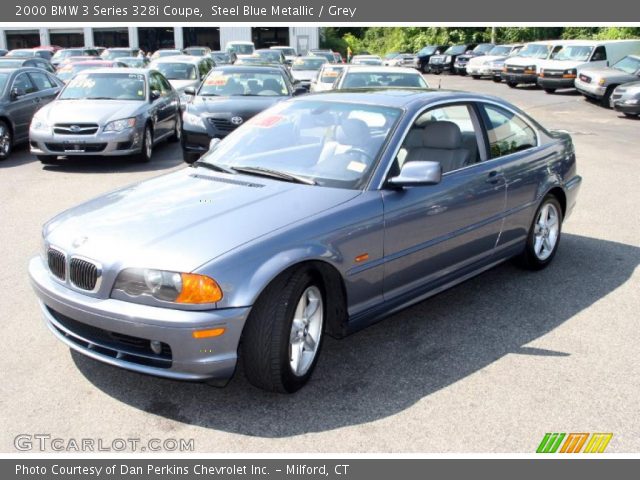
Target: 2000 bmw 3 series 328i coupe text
{"x": 318, "y": 216}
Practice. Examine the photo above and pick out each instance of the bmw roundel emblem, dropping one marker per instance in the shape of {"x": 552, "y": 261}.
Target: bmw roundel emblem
{"x": 236, "y": 120}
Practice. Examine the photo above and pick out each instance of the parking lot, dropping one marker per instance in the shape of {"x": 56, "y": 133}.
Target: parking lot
{"x": 488, "y": 366}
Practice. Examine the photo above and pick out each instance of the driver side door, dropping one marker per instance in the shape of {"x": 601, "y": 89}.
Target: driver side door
{"x": 436, "y": 233}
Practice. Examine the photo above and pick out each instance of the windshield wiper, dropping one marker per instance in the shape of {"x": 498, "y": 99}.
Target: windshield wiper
{"x": 212, "y": 166}
{"x": 100, "y": 98}
{"x": 267, "y": 172}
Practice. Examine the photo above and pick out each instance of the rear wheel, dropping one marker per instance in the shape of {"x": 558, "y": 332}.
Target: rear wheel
{"x": 512, "y": 84}
{"x": 177, "y": 132}
{"x": 497, "y": 79}
{"x": 189, "y": 157}
{"x": 6, "y": 141}
{"x": 550, "y": 90}
{"x": 475, "y": 77}
{"x": 283, "y": 335}
{"x": 544, "y": 235}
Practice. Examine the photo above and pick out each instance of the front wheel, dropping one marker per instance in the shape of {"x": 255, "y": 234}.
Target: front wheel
{"x": 475, "y": 77}
{"x": 497, "y": 79}
{"x": 147, "y": 146}
{"x": 630, "y": 115}
{"x": 6, "y": 141}
{"x": 544, "y": 235}
{"x": 512, "y": 84}
{"x": 283, "y": 335}
{"x": 550, "y": 90}
{"x": 46, "y": 159}
{"x": 177, "y": 132}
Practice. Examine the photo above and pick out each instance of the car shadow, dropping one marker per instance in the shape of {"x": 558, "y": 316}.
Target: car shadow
{"x": 165, "y": 156}
{"x": 392, "y": 365}
{"x": 19, "y": 156}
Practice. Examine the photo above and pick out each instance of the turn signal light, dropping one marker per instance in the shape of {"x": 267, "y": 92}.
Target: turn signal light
{"x": 212, "y": 332}
{"x": 199, "y": 289}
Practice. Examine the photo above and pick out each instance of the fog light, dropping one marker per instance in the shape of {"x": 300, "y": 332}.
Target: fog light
{"x": 156, "y": 347}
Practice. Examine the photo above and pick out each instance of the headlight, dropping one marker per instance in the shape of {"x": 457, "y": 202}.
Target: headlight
{"x": 447, "y": 59}
{"x": 633, "y": 101}
{"x": 602, "y": 82}
{"x": 174, "y": 287}
{"x": 191, "y": 119}
{"x": 120, "y": 125}
{"x": 570, "y": 73}
{"x": 530, "y": 69}
{"x": 39, "y": 124}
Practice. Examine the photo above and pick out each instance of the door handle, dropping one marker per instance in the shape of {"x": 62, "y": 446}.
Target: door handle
{"x": 495, "y": 177}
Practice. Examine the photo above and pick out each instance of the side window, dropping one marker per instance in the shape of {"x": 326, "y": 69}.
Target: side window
{"x": 164, "y": 85}
{"x": 154, "y": 83}
{"x": 507, "y": 132}
{"x": 23, "y": 82}
{"x": 42, "y": 80}
{"x": 599, "y": 54}
{"x": 449, "y": 135}
{"x": 555, "y": 50}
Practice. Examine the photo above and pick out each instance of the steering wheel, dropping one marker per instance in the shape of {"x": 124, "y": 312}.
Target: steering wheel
{"x": 361, "y": 151}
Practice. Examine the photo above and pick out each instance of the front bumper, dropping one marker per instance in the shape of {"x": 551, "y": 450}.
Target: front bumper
{"x": 440, "y": 67}
{"x": 590, "y": 89}
{"x": 625, "y": 108}
{"x": 545, "y": 82}
{"x": 520, "y": 78}
{"x": 196, "y": 139}
{"x": 127, "y": 142}
{"x": 479, "y": 70}
{"x": 116, "y": 332}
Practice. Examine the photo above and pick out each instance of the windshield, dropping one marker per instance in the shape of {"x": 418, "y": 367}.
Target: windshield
{"x": 367, "y": 61}
{"x": 221, "y": 57}
{"x": 3, "y": 81}
{"x": 198, "y": 52}
{"x": 228, "y": 83}
{"x": 456, "y": 50}
{"x": 574, "y": 52}
{"x": 113, "y": 54}
{"x": 500, "y": 51}
{"x": 381, "y": 79}
{"x": 389, "y": 56}
{"x": 67, "y": 72}
{"x": 177, "y": 71}
{"x": 428, "y": 50}
{"x": 241, "y": 48}
{"x": 483, "y": 48}
{"x": 67, "y": 53}
{"x": 21, "y": 53}
{"x": 105, "y": 86}
{"x": 308, "y": 63}
{"x": 270, "y": 55}
{"x": 8, "y": 63}
{"x": 331, "y": 143}
{"x": 535, "y": 51}
{"x": 290, "y": 52}
{"x": 166, "y": 53}
{"x": 328, "y": 55}
{"x": 329, "y": 74}
{"x": 628, "y": 65}
{"x": 133, "y": 62}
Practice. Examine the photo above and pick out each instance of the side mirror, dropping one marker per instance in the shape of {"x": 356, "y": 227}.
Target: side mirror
{"x": 154, "y": 95}
{"x": 17, "y": 92}
{"x": 213, "y": 144}
{"x": 417, "y": 173}
{"x": 190, "y": 91}
{"x": 300, "y": 91}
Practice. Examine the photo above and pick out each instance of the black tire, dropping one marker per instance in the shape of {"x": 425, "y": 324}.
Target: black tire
{"x": 177, "y": 132}
{"x": 46, "y": 159}
{"x": 189, "y": 157}
{"x": 425, "y": 68}
{"x": 497, "y": 79}
{"x": 437, "y": 72}
{"x": 604, "y": 101}
{"x": 462, "y": 73}
{"x": 512, "y": 84}
{"x": 630, "y": 115}
{"x": 529, "y": 259}
{"x": 145, "y": 153}
{"x": 475, "y": 77}
{"x": 265, "y": 340}
{"x": 6, "y": 140}
{"x": 550, "y": 90}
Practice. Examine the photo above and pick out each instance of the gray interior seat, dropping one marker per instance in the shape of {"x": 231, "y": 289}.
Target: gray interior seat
{"x": 438, "y": 142}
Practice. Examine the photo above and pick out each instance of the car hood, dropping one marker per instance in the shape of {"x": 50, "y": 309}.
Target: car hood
{"x": 246, "y": 107}
{"x": 182, "y": 84}
{"x": 90, "y": 111}
{"x": 562, "y": 64}
{"x": 609, "y": 74}
{"x": 629, "y": 89}
{"x": 304, "y": 74}
{"x": 184, "y": 219}
{"x": 485, "y": 59}
{"x": 524, "y": 61}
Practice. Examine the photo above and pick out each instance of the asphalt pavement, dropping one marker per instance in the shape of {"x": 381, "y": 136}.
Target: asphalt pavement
{"x": 488, "y": 366}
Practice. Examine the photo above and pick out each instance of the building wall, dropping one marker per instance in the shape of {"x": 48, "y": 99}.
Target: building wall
{"x": 227, "y": 34}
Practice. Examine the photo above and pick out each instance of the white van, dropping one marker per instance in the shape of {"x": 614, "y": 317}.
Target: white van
{"x": 562, "y": 69}
{"x": 525, "y": 65}
{"x": 241, "y": 48}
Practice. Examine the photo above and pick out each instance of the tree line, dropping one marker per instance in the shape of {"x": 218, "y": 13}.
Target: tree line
{"x": 381, "y": 40}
